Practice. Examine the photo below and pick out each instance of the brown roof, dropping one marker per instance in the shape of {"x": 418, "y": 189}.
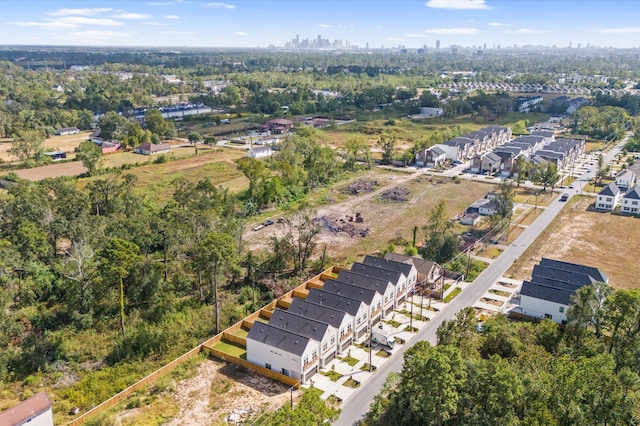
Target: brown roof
{"x": 281, "y": 121}
{"x": 26, "y": 410}
{"x": 152, "y": 147}
{"x": 423, "y": 266}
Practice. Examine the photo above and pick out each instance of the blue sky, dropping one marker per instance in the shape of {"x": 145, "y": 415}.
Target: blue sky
{"x": 226, "y": 23}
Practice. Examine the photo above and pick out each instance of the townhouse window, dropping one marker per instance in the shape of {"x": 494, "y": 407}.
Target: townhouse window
{"x": 358, "y": 321}
{"x": 333, "y": 340}
{"x": 325, "y": 346}
{"x": 608, "y": 198}
{"x": 267, "y": 366}
{"x": 342, "y": 333}
{"x": 561, "y": 309}
{"x": 314, "y": 354}
{"x": 349, "y": 327}
{"x": 306, "y": 360}
{"x": 634, "y": 203}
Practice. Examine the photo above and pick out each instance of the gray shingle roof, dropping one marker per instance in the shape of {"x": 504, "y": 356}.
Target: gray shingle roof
{"x": 562, "y": 275}
{"x": 341, "y": 303}
{"x": 278, "y": 338}
{"x": 633, "y": 193}
{"x": 544, "y": 292}
{"x": 349, "y": 290}
{"x": 321, "y": 313}
{"x": 610, "y": 190}
{"x": 377, "y": 279}
{"x": 307, "y": 327}
{"x": 391, "y": 265}
{"x": 592, "y": 271}
{"x": 492, "y": 156}
{"x": 437, "y": 151}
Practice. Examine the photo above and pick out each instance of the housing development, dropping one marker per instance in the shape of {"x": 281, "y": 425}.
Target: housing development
{"x": 360, "y": 224}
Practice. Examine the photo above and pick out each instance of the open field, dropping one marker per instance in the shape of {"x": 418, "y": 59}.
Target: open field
{"x": 67, "y": 143}
{"x": 597, "y": 239}
{"x": 386, "y": 221}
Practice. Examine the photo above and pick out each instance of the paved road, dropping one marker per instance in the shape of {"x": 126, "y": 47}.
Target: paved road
{"x": 358, "y": 404}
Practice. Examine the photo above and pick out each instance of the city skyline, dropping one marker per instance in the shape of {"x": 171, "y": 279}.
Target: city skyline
{"x": 412, "y": 24}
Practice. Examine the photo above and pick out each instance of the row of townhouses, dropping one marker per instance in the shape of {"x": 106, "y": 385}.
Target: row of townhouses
{"x": 540, "y": 147}
{"x": 464, "y": 147}
{"x": 321, "y": 324}
{"x": 624, "y": 192}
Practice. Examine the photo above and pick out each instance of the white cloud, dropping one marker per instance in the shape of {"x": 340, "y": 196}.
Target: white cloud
{"x": 498, "y": 24}
{"x": 81, "y": 20}
{"x": 48, "y": 24}
{"x": 413, "y": 35}
{"x": 451, "y": 31}
{"x": 221, "y": 5}
{"x": 379, "y": 27}
{"x": 457, "y": 4}
{"x": 160, "y": 3}
{"x": 98, "y": 34}
{"x": 171, "y": 17}
{"x": 156, "y": 24}
{"x": 178, "y": 32}
{"x": 241, "y": 33}
{"x": 526, "y": 31}
{"x": 82, "y": 12}
{"x": 623, "y": 30}
{"x": 394, "y": 39}
{"x": 132, "y": 16}
{"x": 324, "y": 26}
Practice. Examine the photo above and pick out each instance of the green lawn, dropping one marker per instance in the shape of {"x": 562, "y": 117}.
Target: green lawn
{"x": 333, "y": 375}
{"x": 349, "y": 360}
{"x": 231, "y": 349}
{"x": 453, "y": 294}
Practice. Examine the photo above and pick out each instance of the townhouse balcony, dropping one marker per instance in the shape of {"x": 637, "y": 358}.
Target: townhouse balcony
{"x": 310, "y": 364}
{"x": 346, "y": 336}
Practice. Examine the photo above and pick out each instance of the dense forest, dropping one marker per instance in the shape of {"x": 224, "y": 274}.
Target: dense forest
{"x": 513, "y": 373}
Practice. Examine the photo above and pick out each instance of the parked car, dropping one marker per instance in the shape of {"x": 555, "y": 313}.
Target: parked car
{"x": 268, "y": 222}
{"x": 564, "y": 197}
{"x": 572, "y": 186}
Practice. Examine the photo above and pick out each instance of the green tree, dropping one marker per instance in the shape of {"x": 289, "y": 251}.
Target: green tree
{"x": 155, "y": 123}
{"x": 505, "y": 199}
{"x": 27, "y": 144}
{"x": 194, "y": 137}
{"x": 117, "y": 259}
{"x": 217, "y": 255}
{"x": 90, "y": 154}
{"x": 387, "y": 145}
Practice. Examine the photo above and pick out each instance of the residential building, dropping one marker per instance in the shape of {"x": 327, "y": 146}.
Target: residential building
{"x": 67, "y": 131}
{"x": 283, "y": 351}
{"x": 152, "y": 148}
{"x": 549, "y": 292}
{"x": 340, "y": 320}
{"x": 407, "y": 269}
{"x": 260, "y": 152}
{"x": 371, "y": 298}
{"x": 355, "y": 308}
{"x": 608, "y": 197}
{"x": 431, "y": 157}
{"x": 384, "y": 283}
{"x": 428, "y": 270}
{"x": 35, "y": 411}
{"x": 625, "y": 179}
{"x": 631, "y": 201}
{"x": 452, "y": 152}
{"x": 322, "y": 333}
{"x": 278, "y": 126}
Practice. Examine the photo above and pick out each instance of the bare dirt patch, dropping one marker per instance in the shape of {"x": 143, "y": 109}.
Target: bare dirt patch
{"x": 203, "y": 403}
{"x": 386, "y": 221}
{"x": 609, "y": 242}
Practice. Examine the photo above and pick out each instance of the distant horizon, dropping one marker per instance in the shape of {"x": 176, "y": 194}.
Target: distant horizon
{"x": 264, "y": 24}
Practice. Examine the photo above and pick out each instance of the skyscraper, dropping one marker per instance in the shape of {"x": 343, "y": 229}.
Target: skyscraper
{"x": 437, "y": 44}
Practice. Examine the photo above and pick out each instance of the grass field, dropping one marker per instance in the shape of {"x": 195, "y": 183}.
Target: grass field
{"x": 67, "y": 143}
{"x": 602, "y": 240}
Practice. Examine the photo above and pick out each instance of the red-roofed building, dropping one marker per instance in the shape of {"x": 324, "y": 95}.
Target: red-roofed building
{"x": 278, "y": 126}
{"x": 35, "y": 411}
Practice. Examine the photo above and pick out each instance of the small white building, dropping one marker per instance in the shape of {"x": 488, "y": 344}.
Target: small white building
{"x": 67, "y": 131}
{"x": 35, "y": 411}
{"x": 260, "y": 152}
{"x": 608, "y": 198}
{"x": 152, "y": 148}
{"x": 631, "y": 201}
{"x": 282, "y": 351}
{"x": 625, "y": 179}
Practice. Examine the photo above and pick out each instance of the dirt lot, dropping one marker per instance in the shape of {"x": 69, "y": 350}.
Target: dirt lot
{"x": 67, "y": 143}
{"x": 607, "y": 241}
{"x": 385, "y": 220}
{"x": 216, "y": 391}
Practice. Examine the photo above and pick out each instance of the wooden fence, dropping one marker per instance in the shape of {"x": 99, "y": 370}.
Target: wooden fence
{"x": 266, "y": 312}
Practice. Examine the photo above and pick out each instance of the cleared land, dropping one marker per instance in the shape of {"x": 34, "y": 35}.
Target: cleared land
{"x": 386, "y": 221}
{"x": 67, "y": 143}
{"x": 609, "y": 242}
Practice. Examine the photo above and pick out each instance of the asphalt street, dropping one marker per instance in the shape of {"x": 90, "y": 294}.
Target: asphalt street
{"x": 358, "y": 404}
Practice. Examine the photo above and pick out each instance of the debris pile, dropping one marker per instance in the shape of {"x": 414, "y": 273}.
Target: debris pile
{"x": 397, "y": 194}
{"x": 239, "y": 416}
{"x": 341, "y": 225}
{"x": 361, "y": 186}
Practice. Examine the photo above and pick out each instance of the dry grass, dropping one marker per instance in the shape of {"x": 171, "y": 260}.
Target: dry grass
{"x": 609, "y": 242}
{"x": 67, "y": 143}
